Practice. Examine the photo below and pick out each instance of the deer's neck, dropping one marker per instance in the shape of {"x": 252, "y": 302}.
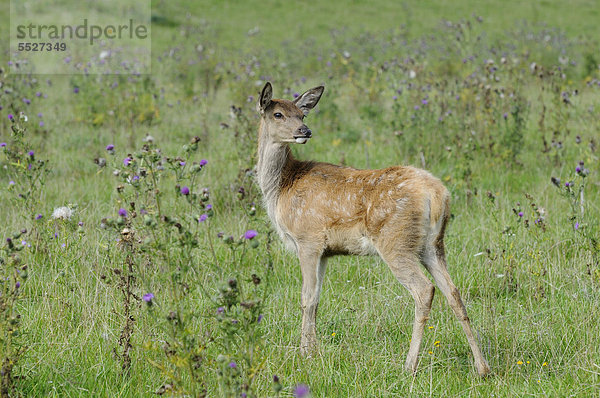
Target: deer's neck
{"x": 273, "y": 158}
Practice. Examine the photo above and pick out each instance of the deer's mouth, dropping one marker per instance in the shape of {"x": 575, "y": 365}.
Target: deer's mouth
{"x": 301, "y": 139}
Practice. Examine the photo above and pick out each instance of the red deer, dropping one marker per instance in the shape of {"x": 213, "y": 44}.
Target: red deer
{"x": 320, "y": 210}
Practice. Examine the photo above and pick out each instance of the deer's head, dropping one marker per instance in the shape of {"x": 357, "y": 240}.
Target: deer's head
{"x": 283, "y": 120}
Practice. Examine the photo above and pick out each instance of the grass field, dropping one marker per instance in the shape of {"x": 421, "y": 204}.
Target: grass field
{"x": 494, "y": 98}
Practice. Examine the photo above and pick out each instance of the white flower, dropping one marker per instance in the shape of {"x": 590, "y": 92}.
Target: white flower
{"x": 62, "y": 213}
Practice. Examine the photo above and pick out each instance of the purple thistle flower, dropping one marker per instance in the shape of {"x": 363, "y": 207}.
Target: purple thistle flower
{"x": 232, "y": 365}
{"x": 76, "y": 90}
{"x": 110, "y": 147}
{"x": 41, "y": 123}
{"x": 417, "y": 107}
{"x": 27, "y": 101}
{"x": 2, "y": 144}
{"x": 38, "y": 94}
{"x": 40, "y": 114}
{"x": 567, "y": 184}
{"x": 301, "y": 391}
{"x": 182, "y": 163}
{"x": 250, "y": 234}
{"x": 11, "y": 182}
{"x": 203, "y": 218}
{"x": 203, "y": 162}
{"x": 208, "y": 207}
{"x": 424, "y": 101}
{"x": 38, "y": 217}
{"x": 148, "y": 297}
{"x": 577, "y": 225}
{"x": 220, "y": 310}
{"x": 127, "y": 161}
{"x": 18, "y": 284}
{"x": 578, "y": 169}
{"x": 296, "y": 95}
{"x": 260, "y": 317}
{"x": 10, "y": 116}
{"x": 30, "y": 153}
{"x": 80, "y": 223}
{"x": 122, "y": 212}
{"x": 505, "y": 115}
{"x": 520, "y": 214}
{"x": 185, "y": 190}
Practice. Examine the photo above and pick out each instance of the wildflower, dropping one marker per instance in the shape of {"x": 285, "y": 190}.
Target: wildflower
{"x": 62, "y": 213}
{"x": 520, "y": 214}
{"x": 182, "y": 163}
{"x": 27, "y": 101}
{"x": 38, "y": 217}
{"x": 578, "y": 169}
{"x": 30, "y": 153}
{"x": 424, "y": 101}
{"x": 567, "y": 184}
{"x": 122, "y": 212}
{"x": 76, "y": 90}
{"x": 203, "y": 162}
{"x": 301, "y": 391}
{"x": 545, "y": 364}
{"x": 185, "y": 190}
{"x": 148, "y": 297}
{"x": 250, "y": 234}
{"x": 18, "y": 284}
{"x": 519, "y": 362}
{"x": 260, "y": 317}
{"x": 110, "y": 147}
{"x": 203, "y": 218}
{"x": 127, "y": 161}
{"x": 41, "y": 124}
{"x": 11, "y": 183}
{"x": 577, "y": 225}
{"x": 2, "y": 144}
{"x": 220, "y": 310}
{"x": 232, "y": 365}
{"x": 10, "y": 116}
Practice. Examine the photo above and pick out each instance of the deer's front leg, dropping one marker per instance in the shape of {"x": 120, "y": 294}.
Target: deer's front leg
{"x": 313, "y": 270}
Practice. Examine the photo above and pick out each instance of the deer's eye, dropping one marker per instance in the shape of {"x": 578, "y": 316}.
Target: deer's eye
{"x": 278, "y": 115}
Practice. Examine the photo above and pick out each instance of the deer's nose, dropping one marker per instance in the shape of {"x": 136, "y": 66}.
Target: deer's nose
{"x": 305, "y": 131}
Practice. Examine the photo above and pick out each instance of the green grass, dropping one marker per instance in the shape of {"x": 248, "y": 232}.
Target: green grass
{"x": 533, "y": 298}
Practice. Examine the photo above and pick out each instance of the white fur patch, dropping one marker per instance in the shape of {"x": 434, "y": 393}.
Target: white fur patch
{"x": 301, "y": 140}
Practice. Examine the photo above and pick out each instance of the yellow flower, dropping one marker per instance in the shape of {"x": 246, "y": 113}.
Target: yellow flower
{"x": 333, "y": 334}
{"x": 545, "y": 364}
{"x": 430, "y": 327}
{"x": 519, "y": 362}
{"x": 430, "y": 352}
{"x": 437, "y": 343}
{"x": 528, "y": 362}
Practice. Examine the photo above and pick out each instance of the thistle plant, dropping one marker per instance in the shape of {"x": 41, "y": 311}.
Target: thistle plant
{"x": 14, "y": 273}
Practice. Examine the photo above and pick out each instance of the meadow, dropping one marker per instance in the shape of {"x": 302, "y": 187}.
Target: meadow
{"x": 137, "y": 260}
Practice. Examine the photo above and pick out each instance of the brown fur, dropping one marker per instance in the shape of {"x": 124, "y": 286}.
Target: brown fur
{"x": 399, "y": 213}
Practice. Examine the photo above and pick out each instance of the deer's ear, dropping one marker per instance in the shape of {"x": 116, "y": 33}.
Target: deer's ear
{"x": 265, "y": 98}
{"x": 309, "y": 99}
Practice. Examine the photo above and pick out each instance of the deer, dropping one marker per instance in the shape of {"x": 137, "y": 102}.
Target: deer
{"x": 320, "y": 210}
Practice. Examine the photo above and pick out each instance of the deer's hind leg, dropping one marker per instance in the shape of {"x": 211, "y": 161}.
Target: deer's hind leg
{"x": 434, "y": 260}
{"x": 406, "y": 268}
